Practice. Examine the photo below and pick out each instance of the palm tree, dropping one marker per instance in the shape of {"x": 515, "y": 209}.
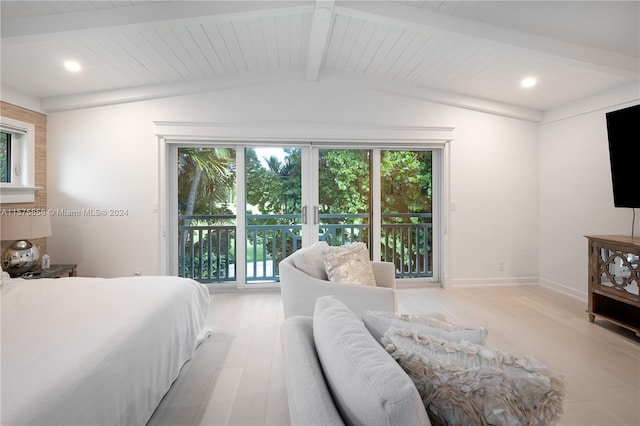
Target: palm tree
{"x": 205, "y": 178}
{"x": 204, "y": 174}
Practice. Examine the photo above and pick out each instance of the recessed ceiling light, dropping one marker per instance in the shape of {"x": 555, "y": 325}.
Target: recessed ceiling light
{"x": 528, "y": 82}
{"x": 72, "y": 66}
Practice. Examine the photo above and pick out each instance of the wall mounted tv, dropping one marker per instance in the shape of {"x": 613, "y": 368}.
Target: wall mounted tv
{"x": 623, "y": 129}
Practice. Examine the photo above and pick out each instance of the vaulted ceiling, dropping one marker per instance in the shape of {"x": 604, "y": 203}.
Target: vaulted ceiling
{"x": 464, "y": 50}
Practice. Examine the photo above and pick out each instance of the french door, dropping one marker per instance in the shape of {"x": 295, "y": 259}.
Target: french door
{"x": 382, "y": 197}
{"x": 244, "y": 207}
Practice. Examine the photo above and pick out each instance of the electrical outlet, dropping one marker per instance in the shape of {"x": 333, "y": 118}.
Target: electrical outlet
{"x": 501, "y": 266}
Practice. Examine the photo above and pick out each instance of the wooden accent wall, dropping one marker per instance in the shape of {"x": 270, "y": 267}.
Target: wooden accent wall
{"x": 39, "y": 121}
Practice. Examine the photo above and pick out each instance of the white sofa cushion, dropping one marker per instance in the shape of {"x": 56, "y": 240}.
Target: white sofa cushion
{"x": 309, "y": 260}
{"x": 435, "y": 324}
{"x": 349, "y": 264}
{"x": 367, "y": 385}
{"x": 463, "y": 383}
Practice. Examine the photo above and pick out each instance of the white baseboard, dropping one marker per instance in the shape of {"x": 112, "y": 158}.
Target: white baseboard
{"x": 515, "y": 281}
{"x": 563, "y": 289}
{"x": 484, "y": 282}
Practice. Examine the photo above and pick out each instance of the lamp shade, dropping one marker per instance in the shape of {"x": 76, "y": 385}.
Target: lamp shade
{"x": 24, "y": 227}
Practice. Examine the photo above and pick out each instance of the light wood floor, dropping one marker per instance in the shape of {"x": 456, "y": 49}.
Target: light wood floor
{"x": 236, "y": 376}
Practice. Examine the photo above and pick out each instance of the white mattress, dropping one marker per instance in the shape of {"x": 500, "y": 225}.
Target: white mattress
{"x": 94, "y": 351}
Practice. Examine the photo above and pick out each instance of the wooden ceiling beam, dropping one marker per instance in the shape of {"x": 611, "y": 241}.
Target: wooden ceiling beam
{"x": 319, "y": 37}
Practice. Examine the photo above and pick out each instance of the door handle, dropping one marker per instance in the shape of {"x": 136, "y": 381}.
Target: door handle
{"x": 304, "y": 215}
{"x": 316, "y": 215}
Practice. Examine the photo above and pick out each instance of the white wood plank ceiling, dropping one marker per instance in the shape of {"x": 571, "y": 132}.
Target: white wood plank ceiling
{"x": 473, "y": 50}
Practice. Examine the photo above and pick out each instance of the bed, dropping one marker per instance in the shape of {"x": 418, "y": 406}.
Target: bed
{"x": 95, "y": 351}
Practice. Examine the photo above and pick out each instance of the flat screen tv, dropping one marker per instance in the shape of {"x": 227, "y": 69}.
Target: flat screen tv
{"x": 623, "y": 129}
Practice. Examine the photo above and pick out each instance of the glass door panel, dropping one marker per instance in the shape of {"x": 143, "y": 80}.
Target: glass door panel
{"x": 273, "y": 209}
{"x": 343, "y": 213}
{"x": 206, "y": 214}
{"x": 406, "y": 211}
{"x": 242, "y": 210}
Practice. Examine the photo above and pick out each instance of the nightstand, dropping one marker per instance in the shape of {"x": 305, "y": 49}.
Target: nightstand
{"x": 55, "y": 271}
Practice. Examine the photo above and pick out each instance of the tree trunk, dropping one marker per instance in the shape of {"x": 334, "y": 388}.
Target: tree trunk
{"x": 191, "y": 201}
{"x": 193, "y": 191}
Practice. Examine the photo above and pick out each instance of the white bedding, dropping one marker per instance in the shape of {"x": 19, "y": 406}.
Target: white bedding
{"x": 94, "y": 351}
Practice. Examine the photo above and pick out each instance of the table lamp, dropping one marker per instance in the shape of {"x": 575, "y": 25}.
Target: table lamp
{"x": 22, "y": 256}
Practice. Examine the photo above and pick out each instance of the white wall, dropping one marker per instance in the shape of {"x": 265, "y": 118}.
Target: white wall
{"x": 494, "y": 188}
{"x": 576, "y": 197}
{"x": 107, "y": 157}
{"x": 103, "y": 159}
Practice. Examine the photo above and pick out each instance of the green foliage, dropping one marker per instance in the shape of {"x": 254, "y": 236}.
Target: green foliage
{"x": 5, "y": 146}
{"x": 276, "y": 189}
{"x": 406, "y": 181}
{"x": 256, "y": 253}
{"x": 406, "y": 189}
{"x": 345, "y": 180}
{"x": 206, "y": 180}
{"x": 205, "y": 272}
{"x": 207, "y": 265}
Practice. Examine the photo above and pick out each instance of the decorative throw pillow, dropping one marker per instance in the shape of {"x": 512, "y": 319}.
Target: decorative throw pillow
{"x": 464, "y": 383}
{"x": 434, "y": 324}
{"x": 309, "y": 260}
{"x": 367, "y": 385}
{"x": 349, "y": 264}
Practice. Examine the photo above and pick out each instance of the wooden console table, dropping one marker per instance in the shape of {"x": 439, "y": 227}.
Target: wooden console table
{"x": 614, "y": 280}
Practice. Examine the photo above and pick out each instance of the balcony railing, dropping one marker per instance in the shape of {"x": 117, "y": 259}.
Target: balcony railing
{"x": 207, "y": 243}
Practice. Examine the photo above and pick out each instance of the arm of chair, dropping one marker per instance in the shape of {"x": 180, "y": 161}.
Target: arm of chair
{"x": 385, "y": 273}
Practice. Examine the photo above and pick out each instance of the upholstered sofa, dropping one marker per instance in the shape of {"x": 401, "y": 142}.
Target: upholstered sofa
{"x": 338, "y": 372}
{"x": 340, "y": 380}
{"x": 303, "y": 279}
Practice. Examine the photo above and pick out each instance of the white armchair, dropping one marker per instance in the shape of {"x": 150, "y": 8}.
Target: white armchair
{"x": 301, "y": 289}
